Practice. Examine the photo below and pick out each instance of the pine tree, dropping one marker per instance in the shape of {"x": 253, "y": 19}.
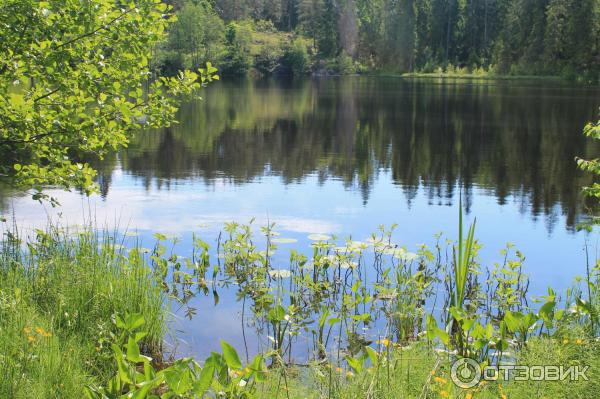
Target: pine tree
{"x": 400, "y": 34}
{"x": 309, "y": 14}
{"x": 327, "y": 30}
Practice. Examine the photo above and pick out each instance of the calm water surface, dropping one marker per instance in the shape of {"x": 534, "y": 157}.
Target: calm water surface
{"x": 343, "y": 155}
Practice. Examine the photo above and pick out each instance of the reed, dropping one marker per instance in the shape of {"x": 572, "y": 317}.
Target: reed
{"x": 59, "y": 293}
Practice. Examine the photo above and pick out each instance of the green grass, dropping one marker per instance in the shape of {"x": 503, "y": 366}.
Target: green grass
{"x": 452, "y": 72}
{"x": 569, "y": 351}
{"x": 483, "y": 76}
{"x": 404, "y": 375}
{"x": 58, "y": 298}
{"x": 415, "y": 372}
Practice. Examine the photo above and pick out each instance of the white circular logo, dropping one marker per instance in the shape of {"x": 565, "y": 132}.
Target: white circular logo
{"x": 466, "y": 373}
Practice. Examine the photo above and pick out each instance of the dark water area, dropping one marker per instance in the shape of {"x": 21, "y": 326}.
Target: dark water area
{"x": 344, "y": 155}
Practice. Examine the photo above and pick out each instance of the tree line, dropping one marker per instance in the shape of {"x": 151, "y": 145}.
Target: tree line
{"x": 518, "y": 37}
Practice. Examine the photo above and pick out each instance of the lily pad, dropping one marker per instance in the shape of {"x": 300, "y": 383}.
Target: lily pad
{"x": 284, "y": 240}
{"x": 319, "y": 237}
{"x": 280, "y": 273}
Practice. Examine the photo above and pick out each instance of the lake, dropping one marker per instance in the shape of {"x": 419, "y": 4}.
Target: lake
{"x": 344, "y": 155}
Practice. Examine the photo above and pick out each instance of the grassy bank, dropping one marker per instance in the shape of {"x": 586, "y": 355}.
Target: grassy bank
{"x": 59, "y": 295}
{"x": 481, "y": 76}
{"x": 417, "y": 371}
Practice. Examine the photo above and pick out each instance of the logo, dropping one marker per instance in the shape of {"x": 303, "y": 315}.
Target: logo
{"x": 467, "y": 373}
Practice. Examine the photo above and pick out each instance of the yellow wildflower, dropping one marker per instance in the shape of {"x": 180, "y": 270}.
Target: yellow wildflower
{"x": 432, "y": 372}
{"x": 385, "y": 342}
{"x": 339, "y": 369}
{"x": 31, "y": 339}
{"x": 349, "y": 374}
{"x": 579, "y": 341}
{"x": 42, "y": 332}
{"x": 565, "y": 341}
{"x": 469, "y": 395}
{"x": 444, "y": 394}
{"x": 503, "y": 396}
{"x": 440, "y": 380}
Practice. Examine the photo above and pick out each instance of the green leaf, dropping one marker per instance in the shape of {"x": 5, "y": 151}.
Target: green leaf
{"x": 355, "y": 363}
{"x": 204, "y": 380}
{"x": 258, "y": 368}
{"x": 143, "y": 390}
{"x": 178, "y": 378}
{"x": 140, "y": 335}
{"x": 372, "y": 354}
{"x": 513, "y": 321}
{"x": 546, "y": 312}
{"x": 434, "y": 331}
{"x": 276, "y": 314}
{"x": 124, "y": 370}
{"x": 231, "y": 356}
{"x": 133, "y": 351}
{"x": 134, "y": 321}
{"x": 160, "y": 237}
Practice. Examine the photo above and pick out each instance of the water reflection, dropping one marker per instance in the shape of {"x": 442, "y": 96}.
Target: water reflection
{"x": 341, "y": 156}
{"x": 515, "y": 140}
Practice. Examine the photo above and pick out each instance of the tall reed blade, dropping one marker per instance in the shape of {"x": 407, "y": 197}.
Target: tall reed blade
{"x": 462, "y": 259}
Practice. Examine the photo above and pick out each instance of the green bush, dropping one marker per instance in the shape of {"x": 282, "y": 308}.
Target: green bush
{"x": 341, "y": 65}
{"x": 236, "y": 60}
{"x": 295, "y": 60}
{"x": 267, "y": 60}
{"x": 169, "y": 62}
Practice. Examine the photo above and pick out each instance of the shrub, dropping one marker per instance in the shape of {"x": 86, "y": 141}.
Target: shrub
{"x": 344, "y": 64}
{"x": 295, "y": 59}
{"x": 169, "y": 62}
{"x": 267, "y": 60}
{"x": 236, "y": 58}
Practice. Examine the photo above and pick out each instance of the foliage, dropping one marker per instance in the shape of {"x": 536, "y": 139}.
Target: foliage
{"x": 546, "y": 37}
{"x": 592, "y": 130}
{"x": 221, "y": 375}
{"x": 107, "y": 306}
{"x": 235, "y": 59}
{"x": 197, "y": 32}
{"x": 74, "y": 81}
{"x": 59, "y": 292}
{"x": 267, "y": 60}
{"x": 295, "y": 59}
